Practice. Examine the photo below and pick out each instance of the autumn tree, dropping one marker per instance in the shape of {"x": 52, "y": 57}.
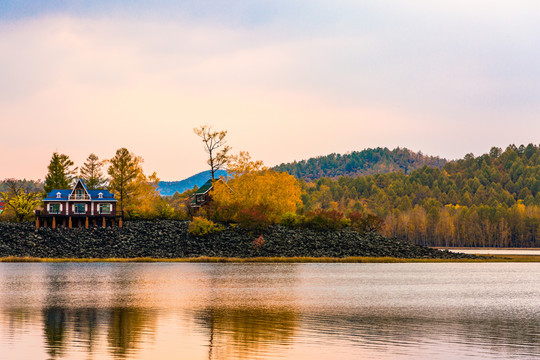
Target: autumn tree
{"x": 145, "y": 197}
{"x": 60, "y": 175}
{"x": 19, "y": 199}
{"x": 91, "y": 173}
{"x": 215, "y": 145}
{"x": 255, "y": 192}
{"x": 123, "y": 171}
{"x": 136, "y": 192}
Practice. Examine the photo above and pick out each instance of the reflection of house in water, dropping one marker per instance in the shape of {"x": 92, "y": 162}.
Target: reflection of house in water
{"x": 68, "y": 319}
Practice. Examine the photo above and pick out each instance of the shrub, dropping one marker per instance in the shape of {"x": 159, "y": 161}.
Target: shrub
{"x": 164, "y": 210}
{"x": 201, "y": 226}
{"x": 258, "y": 242}
{"x": 326, "y": 220}
{"x": 252, "y": 218}
{"x": 292, "y": 220}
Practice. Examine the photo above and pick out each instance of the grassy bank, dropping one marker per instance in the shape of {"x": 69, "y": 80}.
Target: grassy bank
{"x": 355, "y": 259}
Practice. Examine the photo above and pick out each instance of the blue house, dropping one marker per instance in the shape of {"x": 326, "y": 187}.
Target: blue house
{"x": 78, "y": 207}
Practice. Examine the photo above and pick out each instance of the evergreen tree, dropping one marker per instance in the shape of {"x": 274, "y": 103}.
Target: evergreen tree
{"x": 60, "y": 175}
{"x": 91, "y": 173}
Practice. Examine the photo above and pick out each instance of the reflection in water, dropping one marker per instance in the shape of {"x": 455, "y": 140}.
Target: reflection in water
{"x": 268, "y": 311}
{"x": 126, "y": 329}
{"x": 85, "y": 328}
{"x": 395, "y": 334}
{"x": 54, "y": 314}
{"x": 242, "y": 333}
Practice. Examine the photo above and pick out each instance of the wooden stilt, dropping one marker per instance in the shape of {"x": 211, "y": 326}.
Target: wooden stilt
{"x": 70, "y": 223}
{"x": 120, "y": 222}
{"x": 37, "y": 223}
{"x": 64, "y": 222}
{"x": 45, "y": 223}
{"x": 78, "y": 223}
{"x": 86, "y": 223}
{"x": 104, "y": 223}
{"x": 112, "y": 222}
{"x": 94, "y": 222}
{"x": 54, "y": 222}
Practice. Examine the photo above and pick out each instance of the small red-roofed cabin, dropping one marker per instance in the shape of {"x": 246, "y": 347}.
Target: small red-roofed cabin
{"x": 78, "y": 207}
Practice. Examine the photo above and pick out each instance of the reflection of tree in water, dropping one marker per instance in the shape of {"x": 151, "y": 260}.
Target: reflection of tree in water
{"x": 494, "y": 333}
{"x": 54, "y": 313}
{"x": 55, "y": 324}
{"x": 241, "y": 333}
{"x": 126, "y": 329}
{"x": 16, "y": 320}
{"x": 86, "y": 326}
{"x": 249, "y": 309}
{"x": 128, "y": 322}
{"x": 65, "y": 321}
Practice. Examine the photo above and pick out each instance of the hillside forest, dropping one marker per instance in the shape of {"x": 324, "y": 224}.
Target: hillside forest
{"x": 491, "y": 200}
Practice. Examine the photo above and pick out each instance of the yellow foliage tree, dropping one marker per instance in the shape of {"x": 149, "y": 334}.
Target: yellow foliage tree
{"x": 254, "y": 187}
{"x": 145, "y": 196}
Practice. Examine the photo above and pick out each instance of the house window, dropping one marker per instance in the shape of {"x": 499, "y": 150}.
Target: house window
{"x": 58, "y": 195}
{"x": 54, "y": 208}
{"x": 200, "y": 198}
{"x": 104, "y": 208}
{"x": 79, "y": 193}
{"x": 80, "y": 208}
{"x": 100, "y": 195}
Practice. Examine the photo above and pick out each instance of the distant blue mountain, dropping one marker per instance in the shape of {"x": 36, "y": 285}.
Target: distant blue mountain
{"x": 167, "y": 188}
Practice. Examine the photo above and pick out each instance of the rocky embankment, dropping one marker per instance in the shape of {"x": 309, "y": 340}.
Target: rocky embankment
{"x": 170, "y": 239}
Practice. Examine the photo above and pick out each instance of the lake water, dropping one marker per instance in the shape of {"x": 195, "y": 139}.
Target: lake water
{"x": 270, "y": 311}
{"x": 498, "y": 251}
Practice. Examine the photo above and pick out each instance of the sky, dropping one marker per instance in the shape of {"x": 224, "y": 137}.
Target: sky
{"x": 287, "y": 79}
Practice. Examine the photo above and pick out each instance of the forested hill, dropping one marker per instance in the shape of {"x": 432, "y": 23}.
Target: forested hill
{"x": 488, "y": 200}
{"x": 365, "y": 162}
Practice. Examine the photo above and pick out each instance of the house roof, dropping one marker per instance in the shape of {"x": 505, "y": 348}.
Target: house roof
{"x": 65, "y": 193}
{"x": 205, "y": 188}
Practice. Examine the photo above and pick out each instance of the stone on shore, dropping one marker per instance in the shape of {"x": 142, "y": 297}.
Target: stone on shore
{"x": 170, "y": 239}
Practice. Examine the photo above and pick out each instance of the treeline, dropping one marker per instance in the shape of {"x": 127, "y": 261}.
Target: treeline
{"x": 135, "y": 192}
{"x": 489, "y": 200}
{"x": 360, "y": 163}
{"x": 29, "y": 185}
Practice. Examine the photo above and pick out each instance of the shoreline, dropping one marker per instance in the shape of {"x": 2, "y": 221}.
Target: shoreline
{"x": 169, "y": 239}
{"x": 206, "y": 259}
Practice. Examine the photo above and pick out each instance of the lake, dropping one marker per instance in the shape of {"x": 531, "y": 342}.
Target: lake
{"x": 269, "y": 311}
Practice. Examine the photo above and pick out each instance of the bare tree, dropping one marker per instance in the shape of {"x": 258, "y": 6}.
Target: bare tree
{"x": 216, "y": 147}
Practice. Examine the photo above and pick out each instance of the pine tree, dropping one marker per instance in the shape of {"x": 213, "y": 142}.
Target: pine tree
{"x": 60, "y": 175}
{"x": 91, "y": 173}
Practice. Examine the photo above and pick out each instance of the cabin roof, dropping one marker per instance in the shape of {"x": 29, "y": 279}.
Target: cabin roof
{"x": 204, "y": 189}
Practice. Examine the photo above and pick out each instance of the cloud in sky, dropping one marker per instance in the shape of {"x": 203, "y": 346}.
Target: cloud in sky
{"x": 288, "y": 80}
